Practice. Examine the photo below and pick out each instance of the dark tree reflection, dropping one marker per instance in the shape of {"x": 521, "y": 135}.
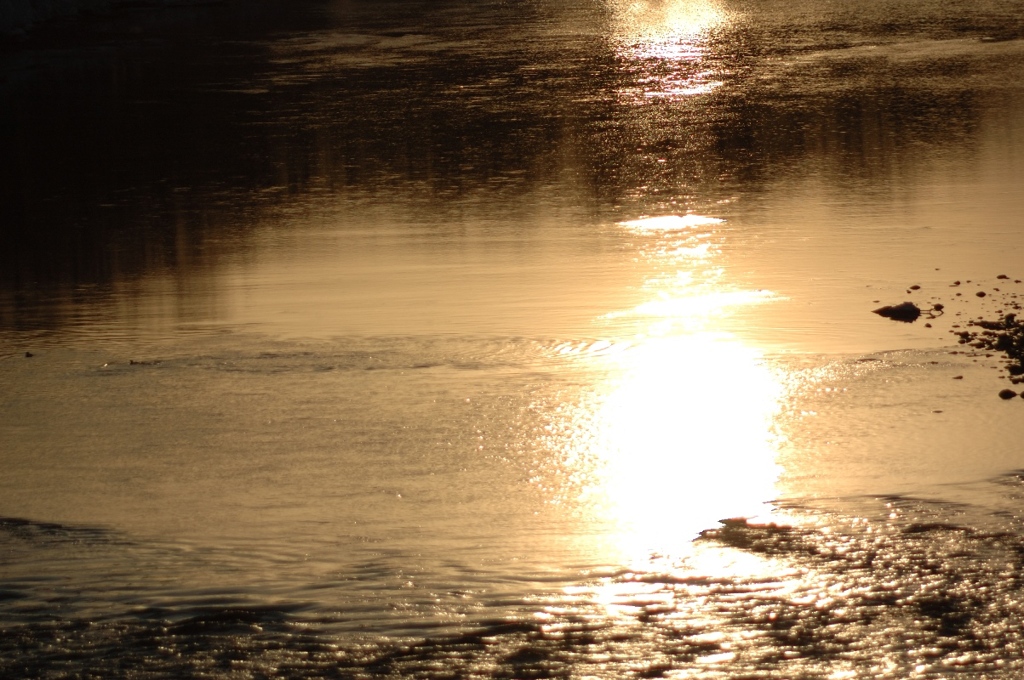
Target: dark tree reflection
{"x": 158, "y": 143}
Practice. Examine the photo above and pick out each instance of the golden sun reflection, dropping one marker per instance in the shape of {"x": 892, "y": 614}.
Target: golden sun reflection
{"x": 663, "y": 21}
{"x": 662, "y": 41}
{"x": 681, "y": 429}
{"x": 677, "y": 433}
{"x": 671, "y": 222}
{"x": 686, "y": 440}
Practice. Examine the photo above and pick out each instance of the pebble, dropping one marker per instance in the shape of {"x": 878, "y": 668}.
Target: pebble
{"x": 1003, "y": 335}
{"x": 905, "y": 311}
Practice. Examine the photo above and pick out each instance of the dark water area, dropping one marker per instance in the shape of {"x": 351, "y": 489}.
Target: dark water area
{"x": 185, "y": 129}
{"x": 517, "y": 340}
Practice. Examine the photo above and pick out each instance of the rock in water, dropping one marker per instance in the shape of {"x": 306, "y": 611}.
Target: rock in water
{"x": 1007, "y": 394}
{"x": 906, "y": 312}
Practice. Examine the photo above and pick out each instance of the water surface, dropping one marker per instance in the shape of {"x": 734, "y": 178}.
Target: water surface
{"x": 434, "y": 339}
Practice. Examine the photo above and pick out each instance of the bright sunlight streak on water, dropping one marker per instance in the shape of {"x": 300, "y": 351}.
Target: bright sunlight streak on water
{"x": 671, "y": 222}
{"x": 690, "y": 291}
{"x": 683, "y": 436}
{"x": 686, "y": 440}
{"x": 663, "y": 21}
{"x": 662, "y": 41}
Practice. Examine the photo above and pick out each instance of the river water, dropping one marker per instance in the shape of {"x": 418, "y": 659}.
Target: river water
{"x": 511, "y": 339}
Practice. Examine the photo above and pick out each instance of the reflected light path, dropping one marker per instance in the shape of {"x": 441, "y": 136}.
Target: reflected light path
{"x": 662, "y": 42}
{"x": 671, "y": 223}
{"x": 683, "y": 434}
{"x": 686, "y": 440}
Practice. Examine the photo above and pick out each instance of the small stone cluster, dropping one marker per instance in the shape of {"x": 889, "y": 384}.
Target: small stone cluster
{"x": 1004, "y": 333}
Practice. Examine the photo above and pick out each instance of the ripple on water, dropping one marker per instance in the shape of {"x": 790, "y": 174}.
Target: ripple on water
{"x": 915, "y": 592}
